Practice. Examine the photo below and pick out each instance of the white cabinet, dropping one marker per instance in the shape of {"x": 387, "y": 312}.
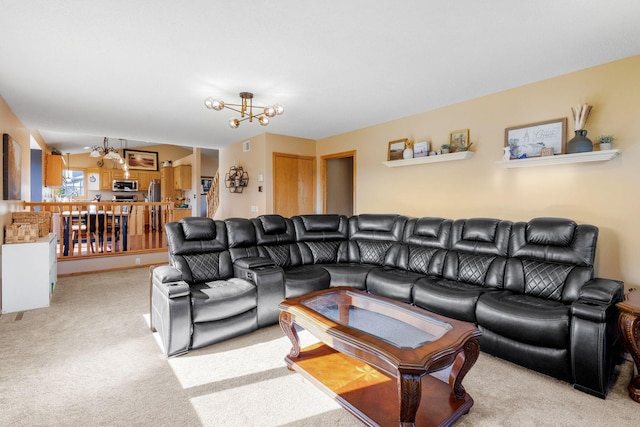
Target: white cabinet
{"x": 29, "y": 274}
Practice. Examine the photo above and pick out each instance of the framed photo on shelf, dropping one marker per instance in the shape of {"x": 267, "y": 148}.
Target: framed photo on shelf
{"x": 141, "y": 160}
{"x": 421, "y": 149}
{"x": 458, "y": 139}
{"x": 396, "y": 149}
{"x": 529, "y": 140}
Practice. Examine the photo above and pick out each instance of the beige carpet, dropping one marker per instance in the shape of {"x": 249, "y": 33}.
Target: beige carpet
{"x": 90, "y": 360}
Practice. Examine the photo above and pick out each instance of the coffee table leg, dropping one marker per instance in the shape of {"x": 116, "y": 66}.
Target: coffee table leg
{"x": 286, "y": 324}
{"x": 410, "y": 393}
{"x": 463, "y": 363}
{"x": 629, "y": 325}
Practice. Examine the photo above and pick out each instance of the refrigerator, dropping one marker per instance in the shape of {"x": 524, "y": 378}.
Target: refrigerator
{"x": 154, "y": 195}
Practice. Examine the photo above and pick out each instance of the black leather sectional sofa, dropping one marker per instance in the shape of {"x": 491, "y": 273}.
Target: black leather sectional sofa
{"x": 528, "y": 286}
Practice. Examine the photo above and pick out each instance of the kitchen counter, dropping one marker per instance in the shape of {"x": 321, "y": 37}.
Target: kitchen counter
{"x": 179, "y": 213}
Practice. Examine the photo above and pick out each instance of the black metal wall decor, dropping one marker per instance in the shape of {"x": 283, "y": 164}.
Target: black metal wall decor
{"x": 236, "y": 179}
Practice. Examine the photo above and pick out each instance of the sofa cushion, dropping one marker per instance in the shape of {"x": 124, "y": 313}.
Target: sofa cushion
{"x": 392, "y": 283}
{"x": 220, "y": 299}
{"x": 303, "y": 279}
{"x": 447, "y": 297}
{"x": 536, "y": 321}
{"x": 348, "y": 274}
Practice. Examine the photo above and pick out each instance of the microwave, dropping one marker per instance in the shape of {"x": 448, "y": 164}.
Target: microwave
{"x": 124, "y": 185}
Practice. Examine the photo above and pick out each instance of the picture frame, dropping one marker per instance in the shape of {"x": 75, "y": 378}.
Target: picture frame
{"x": 141, "y": 160}
{"x": 528, "y": 140}
{"x": 11, "y": 168}
{"x": 458, "y": 139}
{"x": 421, "y": 149}
{"x": 206, "y": 182}
{"x": 396, "y": 149}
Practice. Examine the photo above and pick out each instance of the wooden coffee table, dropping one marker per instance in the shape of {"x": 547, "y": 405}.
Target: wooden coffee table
{"x": 387, "y": 362}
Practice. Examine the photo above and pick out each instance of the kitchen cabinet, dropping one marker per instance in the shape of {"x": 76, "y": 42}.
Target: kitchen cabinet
{"x": 28, "y": 286}
{"x": 105, "y": 180}
{"x": 182, "y": 177}
{"x": 167, "y": 189}
{"x": 180, "y": 213}
{"x": 144, "y": 179}
{"x": 53, "y": 171}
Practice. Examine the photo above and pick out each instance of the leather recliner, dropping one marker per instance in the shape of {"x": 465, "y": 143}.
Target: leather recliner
{"x": 196, "y": 300}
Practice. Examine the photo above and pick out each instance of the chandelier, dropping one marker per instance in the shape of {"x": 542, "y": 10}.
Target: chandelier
{"x": 110, "y": 153}
{"x": 246, "y": 110}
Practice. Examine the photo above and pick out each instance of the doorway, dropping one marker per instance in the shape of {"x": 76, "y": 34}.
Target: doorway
{"x": 338, "y": 177}
{"x": 293, "y": 184}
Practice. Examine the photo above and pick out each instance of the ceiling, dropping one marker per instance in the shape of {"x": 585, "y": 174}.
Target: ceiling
{"x": 80, "y": 70}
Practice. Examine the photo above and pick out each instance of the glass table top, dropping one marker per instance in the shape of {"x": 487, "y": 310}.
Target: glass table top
{"x": 387, "y": 320}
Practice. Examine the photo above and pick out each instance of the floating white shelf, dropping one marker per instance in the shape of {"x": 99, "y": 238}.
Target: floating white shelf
{"x": 589, "y": 156}
{"x": 462, "y": 155}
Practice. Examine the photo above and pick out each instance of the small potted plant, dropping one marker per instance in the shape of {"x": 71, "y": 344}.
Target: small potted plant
{"x": 605, "y": 141}
{"x": 445, "y": 148}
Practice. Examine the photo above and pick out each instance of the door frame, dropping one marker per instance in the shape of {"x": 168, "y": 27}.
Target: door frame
{"x": 323, "y": 175}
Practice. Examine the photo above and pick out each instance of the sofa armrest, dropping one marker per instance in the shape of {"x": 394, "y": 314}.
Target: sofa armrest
{"x": 253, "y": 262}
{"x": 595, "y": 335}
{"x": 165, "y": 274}
{"x": 269, "y": 281}
{"x": 599, "y": 290}
{"x": 171, "y": 309}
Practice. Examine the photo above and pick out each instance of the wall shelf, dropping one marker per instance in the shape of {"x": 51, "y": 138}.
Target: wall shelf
{"x": 462, "y": 155}
{"x": 589, "y": 156}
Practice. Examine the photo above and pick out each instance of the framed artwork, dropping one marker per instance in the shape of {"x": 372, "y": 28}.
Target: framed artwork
{"x": 206, "y": 182}
{"x": 458, "y": 139}
{"x": 141, "y": 160}
{"x": 396, "y": 148}
{"x": 529, "y": 140}
{"x": 11, "y": 169}
{"x": 421, "y": 149}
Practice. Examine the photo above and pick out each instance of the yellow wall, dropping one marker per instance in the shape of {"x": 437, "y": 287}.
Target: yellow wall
{"x": 601, "y": 193}
{"x": 257, "y": 161}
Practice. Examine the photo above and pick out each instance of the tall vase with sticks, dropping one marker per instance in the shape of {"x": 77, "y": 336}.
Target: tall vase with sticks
{"x": 580, "y": 143}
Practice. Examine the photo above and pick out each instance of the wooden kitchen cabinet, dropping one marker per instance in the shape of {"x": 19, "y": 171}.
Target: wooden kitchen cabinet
{"x": 182, "y": 177}
{"x": 166, "y": 183}
{"x": 105, "y": 180}
{"x": 180, "y": 213}
{"x": 53, "y": 171}
{"x": 145, "y": 177}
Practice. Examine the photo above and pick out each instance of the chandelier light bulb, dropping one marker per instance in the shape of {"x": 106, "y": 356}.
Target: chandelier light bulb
{"x": 279, "y": 109}
{"x": 264, "y": 121}
{"x": 270, "y": 111}
{"x": 234, "y": 123}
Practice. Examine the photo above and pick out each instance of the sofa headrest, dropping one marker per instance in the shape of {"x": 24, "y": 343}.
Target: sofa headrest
{"x": 196, "y": 228}
{"x": 320, "y": 222}
{"x": 551, "y": 231}
{"x": 376, "y": 222}
{"x": 273, "y": 224}
{"x": 481, "y": 236}
{"x": 240, "y": 232}
{"x": 428, "y": 227}
{"x": 480, "y": 229}
{"x": 555, "y": 240}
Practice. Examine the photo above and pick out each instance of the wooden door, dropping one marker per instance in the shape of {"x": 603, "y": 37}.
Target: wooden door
{"x": 293, "y": 184}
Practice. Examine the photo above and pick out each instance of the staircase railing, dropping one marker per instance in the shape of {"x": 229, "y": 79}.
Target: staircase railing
{"x": 213, "y": 196}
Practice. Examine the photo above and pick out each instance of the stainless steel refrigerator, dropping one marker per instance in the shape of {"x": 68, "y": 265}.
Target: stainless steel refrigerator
{"x": 154, "y": 195}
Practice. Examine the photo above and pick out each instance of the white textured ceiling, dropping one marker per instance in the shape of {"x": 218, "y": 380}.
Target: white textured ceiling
{"x": 80, "y": 70}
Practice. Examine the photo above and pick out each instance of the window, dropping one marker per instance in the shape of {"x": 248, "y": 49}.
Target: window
{"x": 73, "y": 184}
